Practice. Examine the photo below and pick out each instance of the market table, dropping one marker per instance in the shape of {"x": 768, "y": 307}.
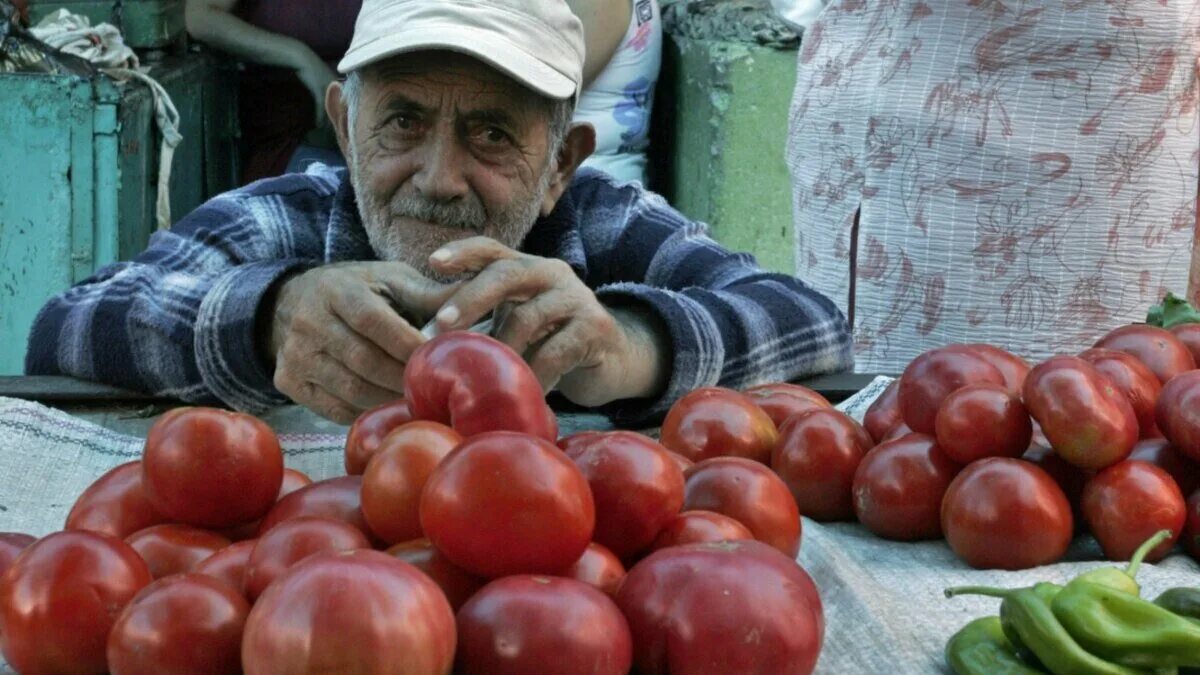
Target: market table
{"x": 883, "y": 601}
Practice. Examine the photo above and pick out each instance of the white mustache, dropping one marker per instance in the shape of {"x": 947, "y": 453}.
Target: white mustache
{"x": 465, "y": 214}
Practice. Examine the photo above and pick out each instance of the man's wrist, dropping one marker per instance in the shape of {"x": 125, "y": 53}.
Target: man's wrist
{"x": 646, "y": 360}
{"x": 270, "y": 327}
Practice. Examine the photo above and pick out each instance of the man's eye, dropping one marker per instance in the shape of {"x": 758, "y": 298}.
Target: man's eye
{"x": 494, "y": 136}
{"x": 404, "y": 122}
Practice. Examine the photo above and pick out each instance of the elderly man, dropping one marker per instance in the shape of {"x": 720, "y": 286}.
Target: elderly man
{"x": 462, "y": 201}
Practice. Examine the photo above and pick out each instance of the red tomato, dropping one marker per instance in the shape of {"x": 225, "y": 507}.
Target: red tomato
{"x": 11, "y": 545}
{"x": 61, "y": 597}
{"x": 1069, "y": 477}
{"x": 1160, "y": 453}
{"x": 182, "y": 624}
{"x": 228, "y": 564}
{"x": 1178, "y": 413}
{"x": 369, "y": 429}
{"x": 680, "y": 461}
{"x": 932, "y": 376}
{"x": 1134, "y": 379}
{"x": 727, "y": 607}
{"x": 1156, "y": 347}
{"x": 458, "y": 584}
{"x": 598, "y": 567}
{"x": 174, "y": 549}
{"x": 506, "y": 503}
{"x": 476, "y": 384}
{"x": 338, "y": 498}
{"x": 115, "y": 504}
{"x": 817, "y": 454}
{"x": 292, "y": 480}
{"x": 1125, "y": 504}
{"x": 1087, "y": 419}
{"x": 718, "y": 422}
{"x": 395, "y": 476}
{"x": 294, "y": 540}
{"x": 1012, "y": 367}
{"x": 899, "y": 485}
{"x": 899, "y": 431}
{"x": 884, "y": 412}
{"x": 982, "y": 420}
{"x": 546, "y": 625}
{"x": 211, "y": 468}
{"x": 781, "y": 400}
{"x": 576, "y": 439}
{"x": 1189, "y": 335}
{"x": 1191, "y": 527}
{"x": 636, "y": 486}
{"x": 312, "y": 620}
{"x": 695, "y": 527}
{"x": 751, "y": 494}
{"x": 1004, "y": 513}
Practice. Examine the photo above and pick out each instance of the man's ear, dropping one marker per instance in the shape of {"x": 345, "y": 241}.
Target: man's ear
{"x": 576, "y": 147}
{"x": 339, "y": 116}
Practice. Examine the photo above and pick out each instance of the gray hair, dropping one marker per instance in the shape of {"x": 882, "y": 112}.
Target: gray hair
{"x": 559, "y": 111}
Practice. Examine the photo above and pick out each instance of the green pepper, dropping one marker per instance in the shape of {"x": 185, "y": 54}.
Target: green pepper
{"x": 980, "y": 648}
{"x": 1126, "y": 579}
{"x": 1028, "y": 621}
{"x": 1183, "y": 601}
{"x": 1124, "y": 628}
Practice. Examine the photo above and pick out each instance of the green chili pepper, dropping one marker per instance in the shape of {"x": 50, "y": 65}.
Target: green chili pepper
{"x": 1126, "y": 579}
{"x": 1027, "y": 620}
{"x": 1183, "y": 601}
{"x": 980, "y": 648}
{"x": 1125, "y": 629}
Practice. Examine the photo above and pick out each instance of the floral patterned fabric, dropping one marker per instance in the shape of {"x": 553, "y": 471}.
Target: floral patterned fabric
{"x": 1021, "y": 173}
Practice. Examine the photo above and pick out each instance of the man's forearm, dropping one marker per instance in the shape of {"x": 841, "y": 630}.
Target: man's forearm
{"x": 648, "y": 357}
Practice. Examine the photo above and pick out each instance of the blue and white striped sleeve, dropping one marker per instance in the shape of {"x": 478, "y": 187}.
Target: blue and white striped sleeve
{"x": 731, "y": 323}
{"x": 179, "y": 320}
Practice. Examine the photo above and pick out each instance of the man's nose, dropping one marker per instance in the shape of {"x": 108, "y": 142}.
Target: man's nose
{"x": 441, "y": 175}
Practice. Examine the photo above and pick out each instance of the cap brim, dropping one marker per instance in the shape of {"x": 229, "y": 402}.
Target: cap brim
{"x": 501, "y": 54}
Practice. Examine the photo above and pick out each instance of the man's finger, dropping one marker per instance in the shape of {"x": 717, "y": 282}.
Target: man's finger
{"x": 363, "y": 357}
{"x": 413, "y": 291}
{"x": 335, "y": 378}
{"x": 325, "y": 404}
{"x": 470, "y": 255}
{"x": 521, "y": 325}
{"x": 372, "y": 317}
{"x": 559, "y": 354}
{"x": 503, "y": 280}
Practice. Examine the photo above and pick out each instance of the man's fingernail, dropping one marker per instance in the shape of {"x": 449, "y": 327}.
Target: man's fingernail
{"x": 441, "y": 255}
{"x": 448, "y": 314}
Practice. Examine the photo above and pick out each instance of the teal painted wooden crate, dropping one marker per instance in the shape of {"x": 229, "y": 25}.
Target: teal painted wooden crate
{"x": 78, "y": 175}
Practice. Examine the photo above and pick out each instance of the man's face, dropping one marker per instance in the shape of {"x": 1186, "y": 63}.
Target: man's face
{"x": 444, "y": 148}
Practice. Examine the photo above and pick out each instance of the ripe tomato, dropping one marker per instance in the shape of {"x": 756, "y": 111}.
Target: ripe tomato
{"x": 312, "y": 620}
{"x": 1087, "y": 419}
{"x": 695, "y": 527}
{"x": 11, "y": 545}
{"x": 781, "y": 400}
{"x": 290, "y": 542}
{"x": 395, "y": 476}
{"x": 1160, "y": 453}
{"x": 115, "y": 504}
{"x": 982, "y": 420}
{"x": 680, "y": 461}
{"x": 338, "y": 498}
{"x": 228, "y": 564}
{"x": 506, "y": 503}
{"x": 1191, "y": 527}
{"x": 182, "y": 624}
{"x": 816, "y": 457}
{"x": 1005, "y": 513}
{"x": 292, "y": 480}
{"x": 1189, "y": 335}
{"x": 597, "y": 567}
{"x": 932, "y": 376}
{"x": 717, "y": 422}
{"x": 174, "y": 549}
{"x": 567, "y": 442}
{"x": 369, "y": 429}
{"x": 1012, "y": 367}
{"x": 899, "y": 431}
{"x": 458, "y": 584}
{"x": 211, "y": 468}
{"x": 899, "y": 485}
{"x": 476, "y": 384}
{"x": 1125, "y": 504}
{"x": 751, "y": 494}
{"x": 636, "y": 486}
{"x": 1156, "y": 347}
{"x": 1134, "y": 379}
{"x": 1069, "y": 477}
{"x": 727, "y": 607}
{"x": 547, "y": 625}
{"x": 1178, "y": 413}
{"x": 60, "y": 598}
{"x": 884, "y": 412}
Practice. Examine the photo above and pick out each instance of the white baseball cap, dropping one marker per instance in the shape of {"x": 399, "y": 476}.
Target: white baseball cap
{"x": 539, "y": 43}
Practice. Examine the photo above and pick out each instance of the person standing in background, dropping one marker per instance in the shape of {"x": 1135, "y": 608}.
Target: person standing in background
{"x": 1017, "y": 172}
{"x": 624, "y": 53}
